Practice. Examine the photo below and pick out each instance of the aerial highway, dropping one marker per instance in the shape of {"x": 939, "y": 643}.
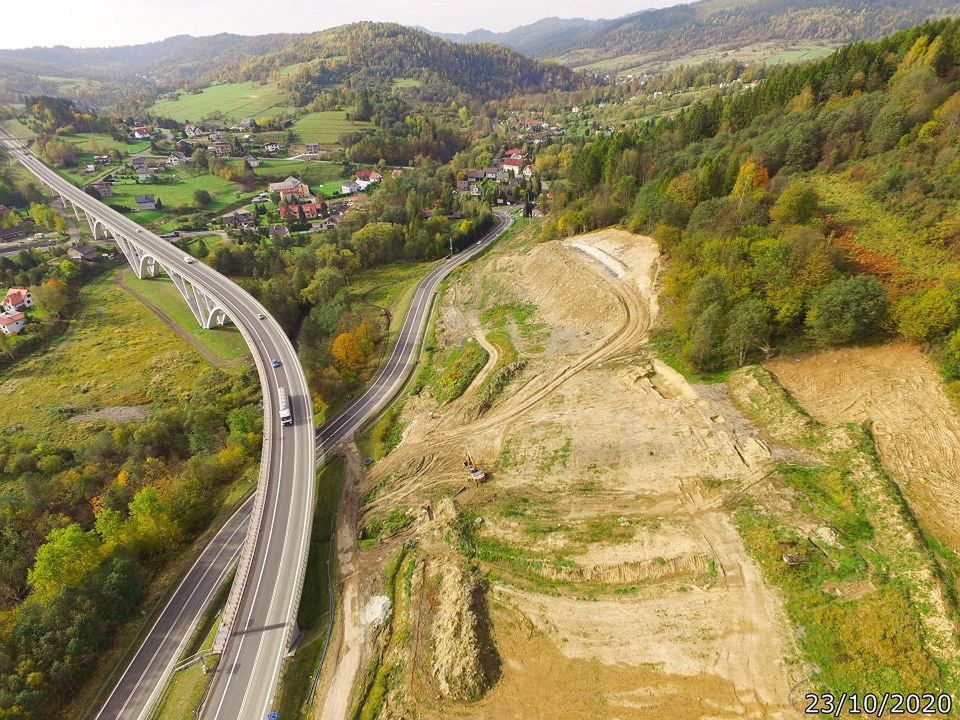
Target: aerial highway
{"x": 245, "y": 682}
{"x": 246, "y": 678}
{"x": 285, "y": 497}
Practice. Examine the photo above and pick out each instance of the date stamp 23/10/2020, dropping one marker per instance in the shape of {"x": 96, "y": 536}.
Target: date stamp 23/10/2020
{"x": 878, "y": 704}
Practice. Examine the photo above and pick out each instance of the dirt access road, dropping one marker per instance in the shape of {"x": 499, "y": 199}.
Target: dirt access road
{"x": 619, "y": 585}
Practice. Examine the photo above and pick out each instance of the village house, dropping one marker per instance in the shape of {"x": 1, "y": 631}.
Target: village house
{"x": 146, "y": 202}
{"x": 141, "y": 132}
{"x": 271, "y": 147}
{"x": 145, "y": 177}
{"x": 138, "y": 162}
{"x": 350, "y": 188}
{"x": 475, "y": 175}
{"x": 291, "y": 183}
{"x": 17, "y": 299}
{"x": 251, "y": 161}
{"x": 217, "y": 136}
{"x": 312, "y": 148}
{"x": 90, "y": 168}
{"x": 294, "y": 194}
{"x": 192, "y": 131}
{"x": 247, "y": 123}
{"x": 101, "y": 159}
{"x": 82, "y": 251}
{"x": 103, "y": 189}
{"x": 237, "y": 219}
{"x": 186, "y": 147}
{"x": 514, "y": 154}
{"x": 12, "y": 322}
{"x": 292, "y": 212}
{"x": 528, "y": 171}
{"x": 512, "y": 165}
{"x": 177, "y": 159}
{"x": 220, "y": 149}
{"x": 476, "y": 190}
{"x": 279, "y": 232}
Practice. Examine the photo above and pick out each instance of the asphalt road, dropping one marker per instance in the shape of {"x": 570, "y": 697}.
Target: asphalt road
{"x": 246, "y": 678}
{"x": 247, "y": 674}
{"x": 281, "y": 549}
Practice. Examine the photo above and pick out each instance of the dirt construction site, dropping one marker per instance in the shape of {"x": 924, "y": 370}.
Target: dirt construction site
{"x": 598, "y": 571}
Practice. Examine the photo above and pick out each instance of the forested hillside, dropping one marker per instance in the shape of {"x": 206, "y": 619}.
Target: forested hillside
{"x": 675, "y": 31}
{"x": 378, "y": 53}
{"x": 818, "y": 208}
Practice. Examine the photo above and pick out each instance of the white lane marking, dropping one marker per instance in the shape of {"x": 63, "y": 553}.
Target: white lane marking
{"x": 263, "y": 565}
{"x": 158, "y": 687}
{"x": 167, "y": 606}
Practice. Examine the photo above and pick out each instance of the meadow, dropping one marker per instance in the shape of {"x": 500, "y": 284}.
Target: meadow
{"x": 177, "y": 193}
{"x": 230, "y": 101}
{"x": 226, "y": 343}
{"x": 114, "y": 352}
{"x": 326, "y": 127}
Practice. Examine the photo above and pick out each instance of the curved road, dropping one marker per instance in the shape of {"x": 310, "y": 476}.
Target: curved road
{"x": 286, "y": 519}
{"x": 247, "y": 675}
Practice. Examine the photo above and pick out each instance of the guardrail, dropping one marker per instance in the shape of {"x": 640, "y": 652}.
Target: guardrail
{"x": 232, "y": 606}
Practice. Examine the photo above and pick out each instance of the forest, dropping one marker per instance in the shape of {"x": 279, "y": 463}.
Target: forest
{"x": 730, "y": 188}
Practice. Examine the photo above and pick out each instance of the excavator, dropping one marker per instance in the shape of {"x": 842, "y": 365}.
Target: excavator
{"x": 476, "y": 473}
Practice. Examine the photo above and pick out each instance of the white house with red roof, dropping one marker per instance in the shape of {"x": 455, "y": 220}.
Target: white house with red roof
{"x": 141, "y": 132}
{"x": 17, "y": 299}
{"x": 513, "y": 165}
{"x": 514, "y": 154}
{"x": 12, "y": 322}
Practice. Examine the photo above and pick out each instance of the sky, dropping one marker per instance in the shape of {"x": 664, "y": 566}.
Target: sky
{"x": 96, "y": 23}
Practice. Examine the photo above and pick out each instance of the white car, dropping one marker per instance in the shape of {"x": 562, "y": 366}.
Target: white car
{"x": 187, "y": 259}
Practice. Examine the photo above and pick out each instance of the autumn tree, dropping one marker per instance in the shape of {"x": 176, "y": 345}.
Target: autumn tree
{"x": 52, "y": 297}
{"x": 65, "y": 559}
{"x": 352, "y": 349}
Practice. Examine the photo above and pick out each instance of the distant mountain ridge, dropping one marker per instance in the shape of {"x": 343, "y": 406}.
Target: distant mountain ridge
{"x": 170, "y": 60}
{"x": 672, "y": 32}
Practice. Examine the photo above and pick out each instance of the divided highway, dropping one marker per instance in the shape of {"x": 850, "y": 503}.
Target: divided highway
{"x": 246, "y": 678}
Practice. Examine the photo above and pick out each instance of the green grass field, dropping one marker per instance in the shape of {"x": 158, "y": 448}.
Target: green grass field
{"x": 115, "y": 352}
{"x": 314, "y": 173}
{"x": 98, "y": 144}
{"x": 406, "y": 83}
{"x": 230, "y": 101}
{"x": 226, "y": 342}
{"x": 326, "y": 127}
{"x": 17, "y": 128}
{"x": 223, "y": 192}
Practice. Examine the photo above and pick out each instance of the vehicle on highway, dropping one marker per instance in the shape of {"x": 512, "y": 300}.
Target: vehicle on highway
{"x": 275, "y": 363}
{"x": 261, "y": 316}
{"x": 187, "y": 259}
{"x": 286, "y": 415}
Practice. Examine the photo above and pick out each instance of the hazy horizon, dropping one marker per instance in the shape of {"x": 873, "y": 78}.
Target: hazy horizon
{"x": 99, "y": 23}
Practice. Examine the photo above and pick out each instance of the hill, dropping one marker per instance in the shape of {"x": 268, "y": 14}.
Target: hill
{"x": 174, "y": 60}
{"x": 378, "y": 54}
{"x": 671, "y": 33}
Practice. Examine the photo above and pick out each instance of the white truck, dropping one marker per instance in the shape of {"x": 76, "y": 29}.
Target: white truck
{"x": 286, "y": 416}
